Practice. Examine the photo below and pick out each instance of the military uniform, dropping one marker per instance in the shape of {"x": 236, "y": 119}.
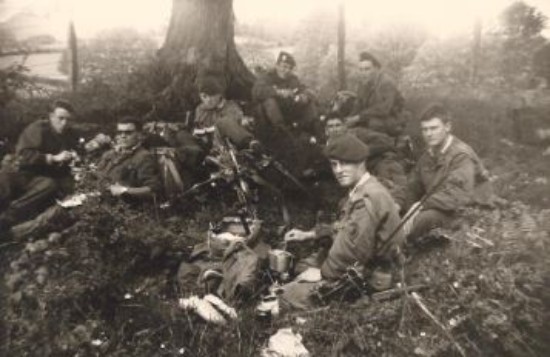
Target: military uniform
{"x": 380, "y": 104}
{"x": 33, "y": 183}
{"x": 363, "y": 232}
{"x": 384, "y": 163}
{"x": 458, "y": 172}
{"x": 285, "y": 125}
{"x": 221, "y": 122}
{"x": 135, "y": 167}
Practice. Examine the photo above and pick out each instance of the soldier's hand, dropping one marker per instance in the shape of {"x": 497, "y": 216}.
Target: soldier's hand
{"x": 301, "y": 98}
{"x": 310, "y": 275}
{"x": 62, "y": 157}
{"x": 117, "y": 189}
{"x": 298, "y": 235}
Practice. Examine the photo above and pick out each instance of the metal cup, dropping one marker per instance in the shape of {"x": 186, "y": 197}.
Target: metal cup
{"x": 280, "y": 260}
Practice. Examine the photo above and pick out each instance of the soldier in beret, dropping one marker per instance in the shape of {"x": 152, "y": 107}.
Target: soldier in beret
{"x": 382, "y": 161}
{"x": 363, "y": 232}
{"x": 286, "y": 109}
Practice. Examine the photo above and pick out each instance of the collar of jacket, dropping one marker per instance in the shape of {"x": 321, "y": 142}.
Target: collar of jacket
{"x": 360, "y": 183}
{"x": 444, "y": 148}
{"x": 220, "y": 105}
{"x": 131, "y": 150}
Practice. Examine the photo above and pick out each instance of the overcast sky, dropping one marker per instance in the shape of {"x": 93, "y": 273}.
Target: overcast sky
{"x": 439, "y": 17}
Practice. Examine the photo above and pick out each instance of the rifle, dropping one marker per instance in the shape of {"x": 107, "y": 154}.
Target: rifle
{"x": 352, "y": 285}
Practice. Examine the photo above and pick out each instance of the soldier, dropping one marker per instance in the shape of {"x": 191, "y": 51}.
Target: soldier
{"x": 129, "y": 170}
{"x": 287, "y": 114}
{"x": 217, "y": 119}
{"x": 379, "y": 103}
{"x": 363, "y": 233}
{"x": 449, "y": 173}
{"x": 382, "y": 162}
{"x": 43, "y": 153}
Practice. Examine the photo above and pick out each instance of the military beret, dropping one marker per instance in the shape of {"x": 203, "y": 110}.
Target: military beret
{"x": 211, "y": 86}
{"x": 367, "y": 56}
{"x": 347, "y": 147}
{"x": 285, "y": 57}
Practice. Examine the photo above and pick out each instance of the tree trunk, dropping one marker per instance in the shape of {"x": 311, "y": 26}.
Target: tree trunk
{"x": 200, "y": 41}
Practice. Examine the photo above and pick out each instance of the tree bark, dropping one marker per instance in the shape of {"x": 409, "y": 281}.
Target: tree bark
{"x": 200, "y": 41}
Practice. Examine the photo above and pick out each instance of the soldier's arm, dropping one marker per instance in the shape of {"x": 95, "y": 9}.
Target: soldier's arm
{"x": 457, "y": 187}
{"x": 385, "y": 99}
{"x": 28, "y": 147}
{"x": 229, "y": 126}
{"x": 148, "y": 175}
{"x": 354, "y": 242}
{"x": 263, "y": 89}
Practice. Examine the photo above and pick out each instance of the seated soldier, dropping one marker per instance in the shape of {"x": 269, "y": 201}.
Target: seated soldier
{"x": 41, "y": 171}
{"x": 366, "y": 231}
{"x": 129, "y": 170}
{"x": 287, "y": 113}
{"x": 379, "y": 103}
{"x": 218, "y": 119}
{"x": 445, "y": 176}
{"x": 382, "y": 162}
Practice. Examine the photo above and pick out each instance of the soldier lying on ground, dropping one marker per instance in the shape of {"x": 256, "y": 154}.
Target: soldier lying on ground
{"x": 129, "y": 170}
{"x": 363, "y": 233}
{"x": 450, "y": 173}
{"x": 382, "y": 161}
{"x": 41, "y": 171}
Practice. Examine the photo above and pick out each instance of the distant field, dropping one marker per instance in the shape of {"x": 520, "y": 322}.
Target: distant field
{"x": 44, "y": 65}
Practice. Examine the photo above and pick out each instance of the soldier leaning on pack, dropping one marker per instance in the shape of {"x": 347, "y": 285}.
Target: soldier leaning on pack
{"x": 362, "y": 233}
{"x": 43, "y": 153}
{"x": 129, "y": 170}
{"x": 449, "y": 172}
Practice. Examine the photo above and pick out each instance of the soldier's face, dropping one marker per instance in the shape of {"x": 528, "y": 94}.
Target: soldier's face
{"x": 334, "y": 127}
{"x": 367, "y": 69}
{"x": 211, "y": 100}
{"x": 59, "y": 118}
{"x": 435, "y": 131}
{"x": 283, "y": 69}
{"x": 347, "y": 173}
{"x": 127, "y": 135}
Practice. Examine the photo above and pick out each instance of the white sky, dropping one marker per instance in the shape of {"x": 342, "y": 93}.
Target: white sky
{"x": 439, "y": 17}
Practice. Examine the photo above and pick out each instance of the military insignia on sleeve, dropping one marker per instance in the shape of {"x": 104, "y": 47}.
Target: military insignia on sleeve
{"x": 353, "y": 230}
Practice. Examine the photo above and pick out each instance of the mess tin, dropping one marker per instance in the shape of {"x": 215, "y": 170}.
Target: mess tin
{"x": 280, "y": 261}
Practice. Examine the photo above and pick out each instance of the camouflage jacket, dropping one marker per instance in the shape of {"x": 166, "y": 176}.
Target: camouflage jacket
{"x": 362, "y": 233}
{"x": 457, "y": 167}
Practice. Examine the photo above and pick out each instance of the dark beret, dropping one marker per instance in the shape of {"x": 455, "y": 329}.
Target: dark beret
{"x": 367, "y": 56}
{"x": 285, "y": 57}
{"x": 347, "y": 147}
{"x": 211, "y": 86}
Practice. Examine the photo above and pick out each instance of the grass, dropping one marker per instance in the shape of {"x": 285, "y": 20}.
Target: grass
{"x": 488, "y": 286}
